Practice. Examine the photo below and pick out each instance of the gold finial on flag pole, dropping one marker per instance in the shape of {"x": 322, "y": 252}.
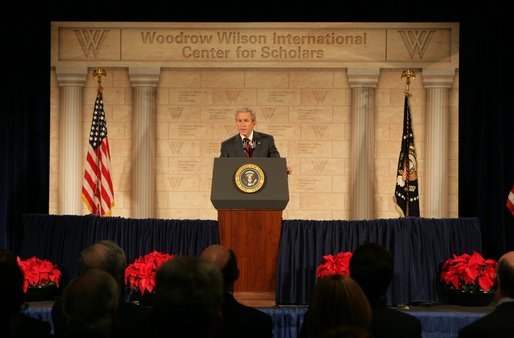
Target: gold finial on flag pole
{"x": 408, "y": 74}
{"x": 98, "y": 73}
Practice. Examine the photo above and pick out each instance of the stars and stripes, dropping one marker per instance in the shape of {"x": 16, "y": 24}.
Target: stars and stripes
{"x": 97, "y": 187}
{"x": 510, "y": 200}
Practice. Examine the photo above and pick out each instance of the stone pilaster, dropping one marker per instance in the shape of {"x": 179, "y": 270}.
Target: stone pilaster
{"x": 144, "y": 82}
{"x": 362, "y": 83}
{"x": 71, "y": 81}
{"x": 437, "y": 83}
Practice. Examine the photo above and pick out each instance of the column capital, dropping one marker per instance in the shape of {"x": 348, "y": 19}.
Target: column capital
{"x": 363, "y": 77}
{"x": 438, "y": 77}
{"x": 71, "y": 76}
{"x": 144, "y": 76}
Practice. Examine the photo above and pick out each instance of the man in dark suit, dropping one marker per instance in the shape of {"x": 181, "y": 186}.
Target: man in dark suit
{"x": 372, "y": 266}
{"x": 238, "y": 320}
{"x": 132, "y": 320}
{"x": 248, "y": 143}
{"x": 500, "y": 322}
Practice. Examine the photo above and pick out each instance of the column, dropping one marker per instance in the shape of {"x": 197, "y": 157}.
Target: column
{"x": 437, "y": 83}
{"x": 144, "y": 82}
{"x": 71, "y": 82}
{"x": 363, "y": 82}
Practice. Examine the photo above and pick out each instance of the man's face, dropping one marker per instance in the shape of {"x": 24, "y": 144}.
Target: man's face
{"x": 245, "y": 124}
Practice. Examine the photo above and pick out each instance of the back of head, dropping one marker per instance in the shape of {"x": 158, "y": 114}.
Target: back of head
{"x": 188, "y": 296}
{"x": 505, "y": 275}
{"x": 90, "y": 302}
{"x": 225, "y": 259}
{"x": 105, "y": 255}
{"x": 11, "y": 285}
{"x": 372, "y": 266}
{"x": 338, "y": 301}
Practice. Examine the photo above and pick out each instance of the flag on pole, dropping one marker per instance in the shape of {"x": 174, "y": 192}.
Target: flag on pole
{"x": 97, "y": 189}
{"x": 510, "y": 201}
{"x": 406, "y": 197}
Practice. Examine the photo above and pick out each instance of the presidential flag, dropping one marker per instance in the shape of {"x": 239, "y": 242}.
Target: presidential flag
{"x": 97, "y": 188}
{"x": 406, "y": 194}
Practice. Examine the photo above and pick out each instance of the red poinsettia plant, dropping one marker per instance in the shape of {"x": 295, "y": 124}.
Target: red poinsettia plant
{"x": 471, "y": 273}
{"x": 39, "y": 273}
{"x": 140, "y": 275}
{"x": 334, "y": 264}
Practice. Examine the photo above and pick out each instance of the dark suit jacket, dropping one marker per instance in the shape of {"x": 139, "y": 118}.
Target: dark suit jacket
{"x": 497, "y": 324}
{"x": 264, "y": 146}
{"x": 243, "y": 321}
{"x": 28, "y": 327}
{"x": 132, "y": 320}
{"x": 391, "y": 323}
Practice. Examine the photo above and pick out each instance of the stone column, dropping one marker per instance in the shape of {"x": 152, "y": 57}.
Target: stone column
{"x": 144, "y": 82}
{"x": 362, "y": 177}
{"x": 71, "y": 82}
{"x": 437, "y": 83}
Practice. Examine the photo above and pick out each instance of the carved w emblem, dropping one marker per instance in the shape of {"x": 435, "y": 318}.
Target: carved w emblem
{"x": 232, "y": 95}
{"x": 319, "y": 131}
{"x": 416, "y": 41}
{"x": 91, "y": 40}
{"x": 319, "y": 166}
{"x": 268, "y": 113}
{"x": 320, "y": 95}
{"x": 176, "y": 112}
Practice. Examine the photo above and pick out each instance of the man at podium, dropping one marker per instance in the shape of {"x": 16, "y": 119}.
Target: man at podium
{"x": 248, "y": 143}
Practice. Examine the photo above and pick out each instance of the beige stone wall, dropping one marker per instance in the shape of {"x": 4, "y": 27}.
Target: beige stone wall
{"x": 307, "y": 110}
{"x": 293, "y": 74}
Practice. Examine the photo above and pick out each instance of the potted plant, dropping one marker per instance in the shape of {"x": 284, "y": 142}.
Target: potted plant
{"x": 334, "y": 264}
{"x": 469, "y": 279}
{"x": 140, "y": 275}
{"x": 41, "y": 278}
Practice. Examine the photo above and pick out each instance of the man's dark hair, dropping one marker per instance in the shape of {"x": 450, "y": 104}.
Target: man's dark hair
{"x": 372, "y": 266}
{"x": 105, "y": 255}
{"x": 188, "y": 297}
{"x": 505, "y": 274}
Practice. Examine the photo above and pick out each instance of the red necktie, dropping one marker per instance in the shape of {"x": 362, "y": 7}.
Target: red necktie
{"x": 248, "y": 147}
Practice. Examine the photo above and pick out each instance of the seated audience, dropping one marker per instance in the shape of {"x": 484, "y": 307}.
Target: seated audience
{"x": 188, "y": 296}
{"x": 500, "y": 322}
{"x": 238, "y": 320}
{"x": 90, "y": 303}
{"x": 372, "y": 267}
{"x": 13, "y": 323}
{"x": 336, "y": 302}
{"x": 132, "y": 320}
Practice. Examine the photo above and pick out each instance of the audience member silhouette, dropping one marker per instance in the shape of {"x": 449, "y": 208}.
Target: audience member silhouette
{"x": 13, "y": 323}
{"x": 188, "y": 297}
{"x": 90, "y": 304}
{"x": 500, "y": 322}
{"x": 347, "y": 332}
{"x": 132, "y": 320}
{"x": 238, "y": 320}
{"x": 372, "y": 267}
{"x": 337, "y": 301}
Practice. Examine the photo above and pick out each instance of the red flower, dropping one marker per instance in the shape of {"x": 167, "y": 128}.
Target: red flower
{"x": 140, "y": 275}
{"x": 338, "y": 264}
{"x": 469, "y": 273}
{"x": 38, "y": 272}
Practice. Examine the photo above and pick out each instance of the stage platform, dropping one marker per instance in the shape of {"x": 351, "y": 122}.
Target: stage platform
{"x": 437, "y": 321}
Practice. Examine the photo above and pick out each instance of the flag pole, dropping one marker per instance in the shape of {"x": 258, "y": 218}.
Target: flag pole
{"x": 407, "y": 75}
{"x": 98, "y": 73}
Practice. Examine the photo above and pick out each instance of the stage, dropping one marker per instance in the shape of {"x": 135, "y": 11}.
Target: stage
{"x": 437, "y": 321}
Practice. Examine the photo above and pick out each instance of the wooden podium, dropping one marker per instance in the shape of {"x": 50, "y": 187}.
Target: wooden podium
{"x": 250, "y": 219}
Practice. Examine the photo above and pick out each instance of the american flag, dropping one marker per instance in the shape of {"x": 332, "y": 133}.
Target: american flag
{"x": 97, "y": 189}
{"x": 406, "y": 195}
